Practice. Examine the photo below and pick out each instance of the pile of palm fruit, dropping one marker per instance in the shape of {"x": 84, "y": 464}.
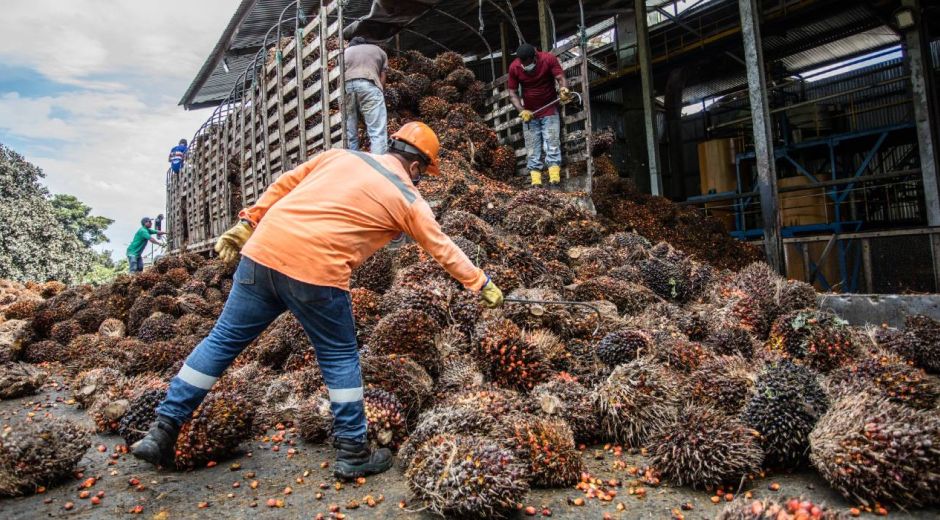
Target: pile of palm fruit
{"x": 719, "y": 371}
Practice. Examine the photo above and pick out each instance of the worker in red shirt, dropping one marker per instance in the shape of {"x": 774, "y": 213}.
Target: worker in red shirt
{"x": 299, "y": 244}
{"x": 535, "y": 73}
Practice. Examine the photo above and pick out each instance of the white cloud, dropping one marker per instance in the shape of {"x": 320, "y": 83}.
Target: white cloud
{"x": 106, "y": 138}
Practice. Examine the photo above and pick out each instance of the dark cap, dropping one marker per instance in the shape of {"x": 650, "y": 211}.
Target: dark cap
{"x": 525, "y": 52}
{"x": 144, "y": 221}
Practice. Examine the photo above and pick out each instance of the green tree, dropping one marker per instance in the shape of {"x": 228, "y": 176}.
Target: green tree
{"x": 104, "y": 269}
{"x": 75, "y": 216}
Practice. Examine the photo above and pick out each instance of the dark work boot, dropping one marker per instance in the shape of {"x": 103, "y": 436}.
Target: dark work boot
{"x": 158, "y": 447}
{"x": 355, "y": 459}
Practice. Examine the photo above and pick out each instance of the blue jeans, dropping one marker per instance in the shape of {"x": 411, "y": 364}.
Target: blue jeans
{"x": 259, "y": 295}
{"x": 542, "y": 136}
{"x": 363, "y": 96}
{"x": 135, "y": 263}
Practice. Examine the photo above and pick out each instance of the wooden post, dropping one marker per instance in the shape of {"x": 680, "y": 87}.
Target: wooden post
{"x": 545, "y": 35}
{"x": 325, "y": 120}
{"x": 646, "y": 83}
{"x": 301, "y": 103}
{"x": 504, "y": 45}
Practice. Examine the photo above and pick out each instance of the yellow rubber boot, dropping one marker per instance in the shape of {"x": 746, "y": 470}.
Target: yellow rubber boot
{"x": 536, "y": 177}
{"x": 554, "y": 174}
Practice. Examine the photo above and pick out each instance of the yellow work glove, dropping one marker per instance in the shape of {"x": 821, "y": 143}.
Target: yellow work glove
{"x": 526, "y": 116}
{"x": 564, "y": 95}
{"x": 230, "y": 243}
{"x": 491, "y": 296}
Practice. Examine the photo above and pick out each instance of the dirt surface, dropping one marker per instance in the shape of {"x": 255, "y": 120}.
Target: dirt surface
{"x": 166, "y": 494}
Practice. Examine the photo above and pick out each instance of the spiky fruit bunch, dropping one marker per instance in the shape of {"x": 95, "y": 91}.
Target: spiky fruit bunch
{"x": 408, "y": 333}
{"x": 705, "y": 448}
{"x": 21, "y": 310}
{"x": 623, "y": 346}
{"x": 546, "y": 446}
{"x": 190, "y": 303}
{"x": 221, "y": 423}
{"x": 157, "y": 327}
{"x": 375, "y": 273}
{"x": 563, "y": 397}
{"x": 786, "y": 404}
{"x": 582, "y": 232}
{"x": 430, "y": 298}
{"x": 448, "y": 93}
{"x": 65, "y": 331}
{"x": 19, "y": 379}
{"x": 386, "y": 418}
{"x": 795, "y": 295}
{"x": 157, "y": 357}
{"x": 682, "y": 354}
{"x": 458, "y": 372}
{"x": 193, "y": 325}
{"x": 462, "y": 476}
{"x": 508, "y": 360}
{"x": 494, "y": 401}
{"x": 728, "y": 339}
{"x": 39, "y": 452}
{"x": 88, "y": 385}
{"x": 590, "y": 262}
{"x": 44, "y": 351}
{"x": 769, "y": 509}
{"x": 446, "y": 420}
{"x": 548, "y": 345}
{"x": 819, "y": 339}
{"x": 502, "y": 163}
{"x": 630, "y": 298}
{"x": 447, "y": 62}
{"x": 140, "y": 414}
{"x": 90, "y": 318}
{"x": 403, "y": 377}
{"x": 532, "y": 316}
{"x": 637, "y": 401}
{"x": 528, "y": 220}
{"x": 421, "y": 272}
{"x": 871, "y": 449}
{"x": 675, "y": 277}
{"x": 886, "y": 377}
{"x": 433, "y": 107}
{"x": 725, "y": 383}
{"x": 921, "y": 342}
{"x": 278, "y": 342}
{"x": 113, "y": 328}
{"x": 314, "y": 419}
{"x": 365, "y": 305}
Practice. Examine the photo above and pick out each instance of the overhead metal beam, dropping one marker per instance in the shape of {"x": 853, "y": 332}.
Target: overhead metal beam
{"x": 695, "y": 32}
{"x": 917, "y": 56}
{"x": 646, "y": 82}
{"x": 763, "y": 137}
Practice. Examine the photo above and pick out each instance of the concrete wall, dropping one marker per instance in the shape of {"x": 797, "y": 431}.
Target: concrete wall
{"x": 875, "y": 309}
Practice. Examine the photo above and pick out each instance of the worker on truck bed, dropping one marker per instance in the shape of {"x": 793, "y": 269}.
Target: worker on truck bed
{"x": 299, "y": 244}
{"x": 536, "y": 73}
{"x": 135, "y": 260}
{"x": 178, "y": 155}
{"x": 365, "y": 84}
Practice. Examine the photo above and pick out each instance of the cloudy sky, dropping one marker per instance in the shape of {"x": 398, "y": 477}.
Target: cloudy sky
{"x": 89, "y": 92}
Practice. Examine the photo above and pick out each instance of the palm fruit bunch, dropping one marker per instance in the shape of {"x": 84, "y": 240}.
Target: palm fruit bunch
{"x": 533, "y": 316}
{"x": 730, "y": 339}
{"x": 673, "y": 276}
{"x": 463, "y": 476}
{"x": 463, "y": 420}
{"x": 725, "y": 383}
{"x": 785, "y": 406}
{"x": 630, "y": 298}
{"x": 275, "y": 345}
{"x": 507, "y": 359}
{"x": 548, "y": 347}
{"x": 447, "y": 62}
{"x": 90, "y": 318}
{"x": 44, "y": 351}
{"x": 886, "y": 376}
{"x": 706, "y": 448}
{"x": 365, "y": 307}
{"x": 433, "y": 108}
{"x": 546, "y": 446}
{"x": 502, "y": 163}
{"x": 918, "y": 342}
{"x": 623, "y": 346}
{"x": 637, "y": 401}
{"x": 221, "y": 423}
{"x": 386, "y": 418}
{"x": 563, "y": 397}
{"x": 769, "y": 509}
{"x": 107, "y": 407}
{"x": 314, "y": 420}
{"x": 582, "y": 232}
{"x": 89, "y": 385}
{"x": 157, "y": 357}
{"x": 190, "y": 303}
{"x": 193, "y": 325}
{"x": 430, "y": 298}
{"x": 528, "y": 220}
{"x": 492, "y": 400}
{"x": 65, "y": 331}
{"x": 375, "y": 273}
{"x": 39, "y": 452}
{"x": 140, "y": 414}
{"x": 409, "y": 333}
{"x": 820, "y": 339}
{"x": 682, "y": 354}
{"x": 402, "y": 376}
{"x": 872, "y": 450}
{"x": 591, "y": 262}
{"x": 419, "y": 273}
{"x": 19, "y": 379}
{"x": 458, "y": 372}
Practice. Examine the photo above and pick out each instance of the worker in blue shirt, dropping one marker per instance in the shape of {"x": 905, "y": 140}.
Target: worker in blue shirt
{"x": 178, "y": 155}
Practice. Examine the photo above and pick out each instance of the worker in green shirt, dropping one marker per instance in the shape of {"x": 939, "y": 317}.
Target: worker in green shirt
{"x": 145, "y": 234}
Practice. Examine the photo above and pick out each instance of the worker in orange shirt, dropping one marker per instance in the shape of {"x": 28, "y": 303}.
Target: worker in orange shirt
{"x": 299, "y": 244}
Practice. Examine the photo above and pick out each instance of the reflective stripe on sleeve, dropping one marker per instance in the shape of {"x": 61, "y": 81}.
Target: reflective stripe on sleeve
{"x": 345, "y": 395}
{"x": 395, "y": 179}
{"x": 196, "y": 378}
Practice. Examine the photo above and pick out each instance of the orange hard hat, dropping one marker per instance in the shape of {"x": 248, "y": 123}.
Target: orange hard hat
{"x": 422, "y": 141}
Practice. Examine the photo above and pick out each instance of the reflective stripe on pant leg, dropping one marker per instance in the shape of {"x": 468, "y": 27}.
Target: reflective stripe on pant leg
{"x": 196, "y": 378}
{"x": 345, "y": 395}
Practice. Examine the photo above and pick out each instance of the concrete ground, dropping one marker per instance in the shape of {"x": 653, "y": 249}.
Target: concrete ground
{"x": 212, "y": 492}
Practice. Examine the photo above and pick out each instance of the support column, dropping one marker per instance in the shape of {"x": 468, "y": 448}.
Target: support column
{"x": 545, "y": 29}
{"x": 763, "y": 137}
{"x": 504, "y": 45}
{"x": 918, "y": 60}
{"x": 646, "y": 81}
